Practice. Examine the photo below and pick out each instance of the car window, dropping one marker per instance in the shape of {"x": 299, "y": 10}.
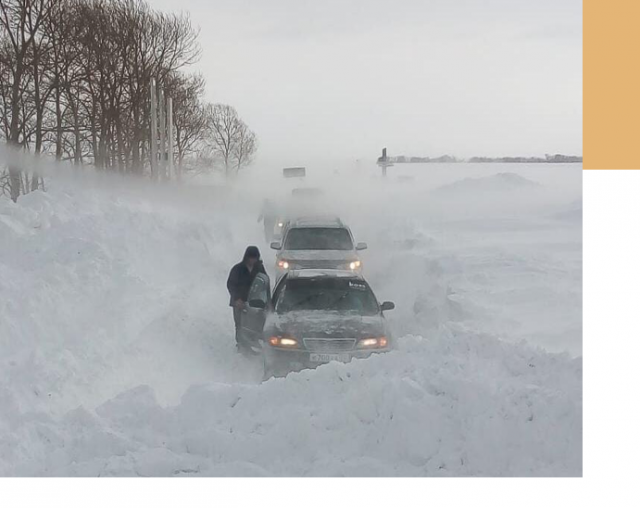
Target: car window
{"x": 259, "y": 289}
{"x": 341, "y": 295}
{"x": 318, "y": 239}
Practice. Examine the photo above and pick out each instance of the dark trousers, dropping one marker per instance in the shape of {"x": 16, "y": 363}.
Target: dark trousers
{"x": 237, "y": 313}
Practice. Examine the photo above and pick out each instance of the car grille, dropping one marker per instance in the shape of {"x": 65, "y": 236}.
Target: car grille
{"x": 329, "y": 345}
{"x": 311, "y": 263}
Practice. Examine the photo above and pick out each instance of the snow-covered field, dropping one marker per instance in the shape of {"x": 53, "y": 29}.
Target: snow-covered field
{"x": 117, "y": 347}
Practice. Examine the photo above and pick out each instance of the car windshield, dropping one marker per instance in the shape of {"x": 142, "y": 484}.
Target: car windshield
{"x": 342, "y": 295}
{"x": 318, "y": 239}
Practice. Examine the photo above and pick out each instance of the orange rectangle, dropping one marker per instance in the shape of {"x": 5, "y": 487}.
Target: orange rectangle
{"x": 611, "y": 135}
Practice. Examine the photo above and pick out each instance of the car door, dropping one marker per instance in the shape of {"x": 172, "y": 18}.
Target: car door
{"x": 255, "y": 311}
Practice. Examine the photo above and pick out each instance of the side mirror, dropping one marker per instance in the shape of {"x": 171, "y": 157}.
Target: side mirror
{"x": 387, "y": 306}
{"x": 361, "y": 246}
{"x": 257, "y": 304}
{"x": 276, "y": 245}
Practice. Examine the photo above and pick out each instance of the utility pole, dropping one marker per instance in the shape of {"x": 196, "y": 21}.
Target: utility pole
{"x": 170, "y": 136}
{"x": 154, "y": 131}
{"x": 163, "y": 135}
{"x": 162, "y": 113}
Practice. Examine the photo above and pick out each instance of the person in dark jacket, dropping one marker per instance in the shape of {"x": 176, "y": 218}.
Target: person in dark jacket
{"x": 240, "y": 278}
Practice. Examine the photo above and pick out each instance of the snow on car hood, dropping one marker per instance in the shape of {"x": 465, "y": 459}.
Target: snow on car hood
{"x": 325, "y": 324}
{"x": 319, "y": 255}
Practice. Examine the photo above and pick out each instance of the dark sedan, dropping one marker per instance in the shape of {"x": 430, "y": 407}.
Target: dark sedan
{"x": 314, "y": 317}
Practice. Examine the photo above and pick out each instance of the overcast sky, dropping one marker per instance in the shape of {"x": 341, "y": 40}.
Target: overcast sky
{"x": 339, "y": 79}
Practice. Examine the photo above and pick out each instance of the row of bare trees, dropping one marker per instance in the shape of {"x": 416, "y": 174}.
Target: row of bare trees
{"x": 75, "y": 79}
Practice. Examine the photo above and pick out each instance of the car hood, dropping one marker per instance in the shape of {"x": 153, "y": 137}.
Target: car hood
{"x": 301, "y": 324}
{"x": 319, "y": 255}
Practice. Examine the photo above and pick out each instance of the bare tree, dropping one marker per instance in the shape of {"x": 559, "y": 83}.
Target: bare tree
{"x": 75, "y": 79}
{"x": 20, "y": 21}
{"x": 230, "y": 138}
{"x": 244, "y": 149}
{"x": 189, "y": 115}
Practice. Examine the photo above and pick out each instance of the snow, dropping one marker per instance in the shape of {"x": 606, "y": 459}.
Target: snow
{"x": 320, "y": 254}
{"x": 117, "y": 346}
{"x": 312, "y": 274}
{"x": 495, "y": 183}
{"x": 323, "y": 221}
{"x": 452, "y": 406}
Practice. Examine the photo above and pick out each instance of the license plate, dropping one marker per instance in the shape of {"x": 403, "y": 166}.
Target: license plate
{"x": 329, "y": 357}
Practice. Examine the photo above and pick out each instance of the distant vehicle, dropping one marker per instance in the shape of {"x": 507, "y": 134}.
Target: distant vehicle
{"x": 306, "y": 201}
{"x": 314, "y": 317}
{"x": 317, "y": 242}
{"x": 297, "y": 172}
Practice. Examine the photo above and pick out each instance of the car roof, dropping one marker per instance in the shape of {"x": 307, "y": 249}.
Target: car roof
{"x": 316, "y": 273}
{"x": 318, "y": 221}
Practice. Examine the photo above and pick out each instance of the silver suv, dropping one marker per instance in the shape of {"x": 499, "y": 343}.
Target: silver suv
{"x": 317, "y": 242}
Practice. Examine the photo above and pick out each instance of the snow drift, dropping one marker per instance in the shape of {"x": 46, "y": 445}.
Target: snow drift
{"x": 118, "y": 356}
{"x": 457, "y": 405}
{"x": 501, "y": 182}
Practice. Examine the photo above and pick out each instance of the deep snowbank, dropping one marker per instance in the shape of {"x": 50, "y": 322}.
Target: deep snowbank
{"x": 118, "y": 359}
{"x": 100, "y": 293}
{"x": 456, "y": 405}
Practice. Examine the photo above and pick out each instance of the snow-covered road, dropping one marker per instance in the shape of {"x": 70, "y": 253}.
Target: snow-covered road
{"x": 117, "y": 349}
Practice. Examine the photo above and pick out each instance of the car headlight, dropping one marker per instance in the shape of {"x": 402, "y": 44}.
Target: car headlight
{"x": 354, "y": 265}
{"x": 373, "y": 342}
{"x": 288, "y": 342}
{"x": 283, "y": 264}
{"x": 280, "y": 224}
